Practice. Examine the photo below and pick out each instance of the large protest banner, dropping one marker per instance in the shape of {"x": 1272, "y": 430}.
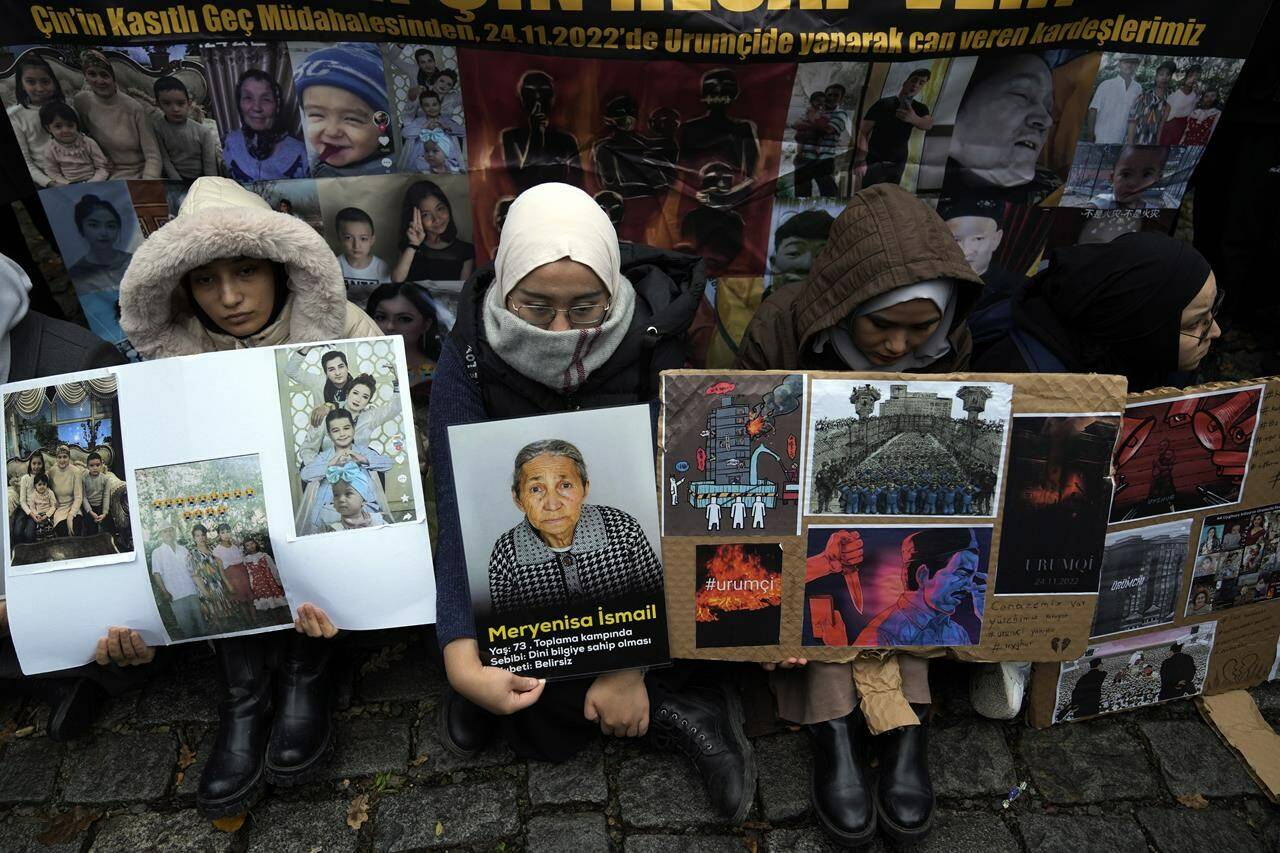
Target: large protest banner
{"x": 827, "y": 515}
{"x": 734, "y": 129}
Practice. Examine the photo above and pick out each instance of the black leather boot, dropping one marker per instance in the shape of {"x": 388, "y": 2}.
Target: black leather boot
{"x": 302, "y": 734}
{"x": 707, "y": 726}
{"x": 233, "y": 777}
{"x": 838, "y": 785}
{"x": 464, "y": 727}
{"x": 904, "y": 795}
{"x": 73, "y": 703}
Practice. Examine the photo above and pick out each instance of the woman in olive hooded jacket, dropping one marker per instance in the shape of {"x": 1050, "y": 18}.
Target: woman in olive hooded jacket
{"x": 889, "y": 293}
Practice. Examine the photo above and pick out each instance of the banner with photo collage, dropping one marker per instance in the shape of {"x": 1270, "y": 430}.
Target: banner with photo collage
{"x": 735, "y": 130}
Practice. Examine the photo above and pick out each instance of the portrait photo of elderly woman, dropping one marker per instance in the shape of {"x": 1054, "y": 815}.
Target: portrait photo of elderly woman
{"x": 567, "y": 552}
{"x": 1001, "y": 129}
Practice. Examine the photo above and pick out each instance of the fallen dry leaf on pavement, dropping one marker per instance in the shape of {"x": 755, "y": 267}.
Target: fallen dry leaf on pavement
{"x": 185, "y": 757}
{"x": 358, "y": 811}
{"x": 65, "y": 827}
{"x": 229, "y": 824}
{"x": 419, "y": 760}
{"x": 439, "y": 829}
{"x": 1193, "y": 801}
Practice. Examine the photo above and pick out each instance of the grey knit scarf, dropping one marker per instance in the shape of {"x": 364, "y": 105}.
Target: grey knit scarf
{"x": 562, "y": 361}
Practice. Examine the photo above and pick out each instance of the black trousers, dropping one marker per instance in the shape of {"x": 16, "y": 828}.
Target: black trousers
{"x": 89, "y": 527}
{"x": 883, "y": 173}
{"x": 554, "y": 729}
{"x": 113, "y": 679}
{"x": 820, "y": 172}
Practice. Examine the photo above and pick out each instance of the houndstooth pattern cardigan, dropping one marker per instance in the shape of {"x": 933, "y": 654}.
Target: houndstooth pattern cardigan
{"x": 610, "y": 558}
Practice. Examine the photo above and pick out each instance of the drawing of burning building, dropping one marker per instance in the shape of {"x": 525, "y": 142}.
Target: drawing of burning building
{"x": 732, "y": 466}
{"x": 732, "y": 453}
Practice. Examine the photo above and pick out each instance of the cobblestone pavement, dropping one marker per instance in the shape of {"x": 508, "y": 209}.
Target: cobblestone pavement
{"x": 1112, "y": 784}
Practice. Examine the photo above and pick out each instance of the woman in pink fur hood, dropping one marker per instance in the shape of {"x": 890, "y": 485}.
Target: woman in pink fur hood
{"x": 228, "y": 272}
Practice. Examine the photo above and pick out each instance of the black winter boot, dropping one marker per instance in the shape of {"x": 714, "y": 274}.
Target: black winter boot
{"x": 233, "y": 777}
{"x": 838, "y": 785}
{"x": 707, "y": 726}
{"x": 904, "y": 795}
{"x": 464, "y": 727}
{"x": 73, "y": 703}
{"x": 302, "y": 735}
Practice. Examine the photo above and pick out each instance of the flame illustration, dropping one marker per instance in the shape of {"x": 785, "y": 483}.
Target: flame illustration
{"x": 755, "y": 425}
{"x": 1044, "y": 495}
{"x": 742, "y": 582}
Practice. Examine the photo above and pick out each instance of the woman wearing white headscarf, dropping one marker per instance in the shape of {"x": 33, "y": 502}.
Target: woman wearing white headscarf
{"x": 566, "y": 319}
{"x": 889, "y": 293}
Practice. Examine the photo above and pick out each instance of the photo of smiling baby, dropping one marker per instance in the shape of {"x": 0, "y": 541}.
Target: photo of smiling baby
{"x": 342, "y": 94}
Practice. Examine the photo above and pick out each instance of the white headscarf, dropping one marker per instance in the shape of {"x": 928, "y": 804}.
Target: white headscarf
{"x": 553, "y": 221}
{"x": 940, "y": 292}
{"x": 545, "y": 224}
{"x": 15, "y": 299}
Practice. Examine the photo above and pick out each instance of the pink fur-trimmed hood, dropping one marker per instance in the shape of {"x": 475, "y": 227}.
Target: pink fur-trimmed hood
{"x": 221, "y": 219}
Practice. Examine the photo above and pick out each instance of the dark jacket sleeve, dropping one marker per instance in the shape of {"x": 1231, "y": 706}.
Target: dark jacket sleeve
{"x": 1001, "y": 357}
{"x": 455, "y": 399}
{"x": 769, "y": 341}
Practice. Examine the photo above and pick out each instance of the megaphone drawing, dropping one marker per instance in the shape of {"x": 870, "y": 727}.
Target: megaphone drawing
{"x": 1216, "y": 427}
{"x": 1133, "y": 434}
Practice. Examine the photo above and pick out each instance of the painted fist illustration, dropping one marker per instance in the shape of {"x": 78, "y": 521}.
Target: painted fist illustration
{"x": 844, "y": 551}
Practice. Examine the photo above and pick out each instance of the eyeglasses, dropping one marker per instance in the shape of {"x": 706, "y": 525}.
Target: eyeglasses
{"x": 579, "y": 316}
{"x": 1207, "y": 323}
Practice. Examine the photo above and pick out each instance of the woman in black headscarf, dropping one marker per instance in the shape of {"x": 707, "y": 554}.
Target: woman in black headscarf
{"x": 1143, "y": 305}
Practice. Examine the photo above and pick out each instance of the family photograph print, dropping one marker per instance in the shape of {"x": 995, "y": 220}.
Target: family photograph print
{"x": 208, "y": 548}
{"x": 68, "y": 501}
{"x": 349, "y": 436}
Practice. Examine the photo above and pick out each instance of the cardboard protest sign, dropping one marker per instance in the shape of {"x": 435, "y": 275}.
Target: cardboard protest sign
{"x": 1193, "y": 547}
{"x": 903, "y": 487}
{"x": 201, "y": 519}
{"x": 560, "y": 531}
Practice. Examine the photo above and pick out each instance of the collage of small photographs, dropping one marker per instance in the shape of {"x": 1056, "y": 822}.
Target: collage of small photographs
{"x": 1188, "y": 454}
{"x": 746, "y": 166}
{"x": 205, "y": 543}
{"x": 740, "y": 464}
{"x": 752, "y": 461}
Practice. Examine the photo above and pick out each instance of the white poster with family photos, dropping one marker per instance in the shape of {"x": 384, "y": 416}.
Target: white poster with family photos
{"x": 209, "y": 493}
